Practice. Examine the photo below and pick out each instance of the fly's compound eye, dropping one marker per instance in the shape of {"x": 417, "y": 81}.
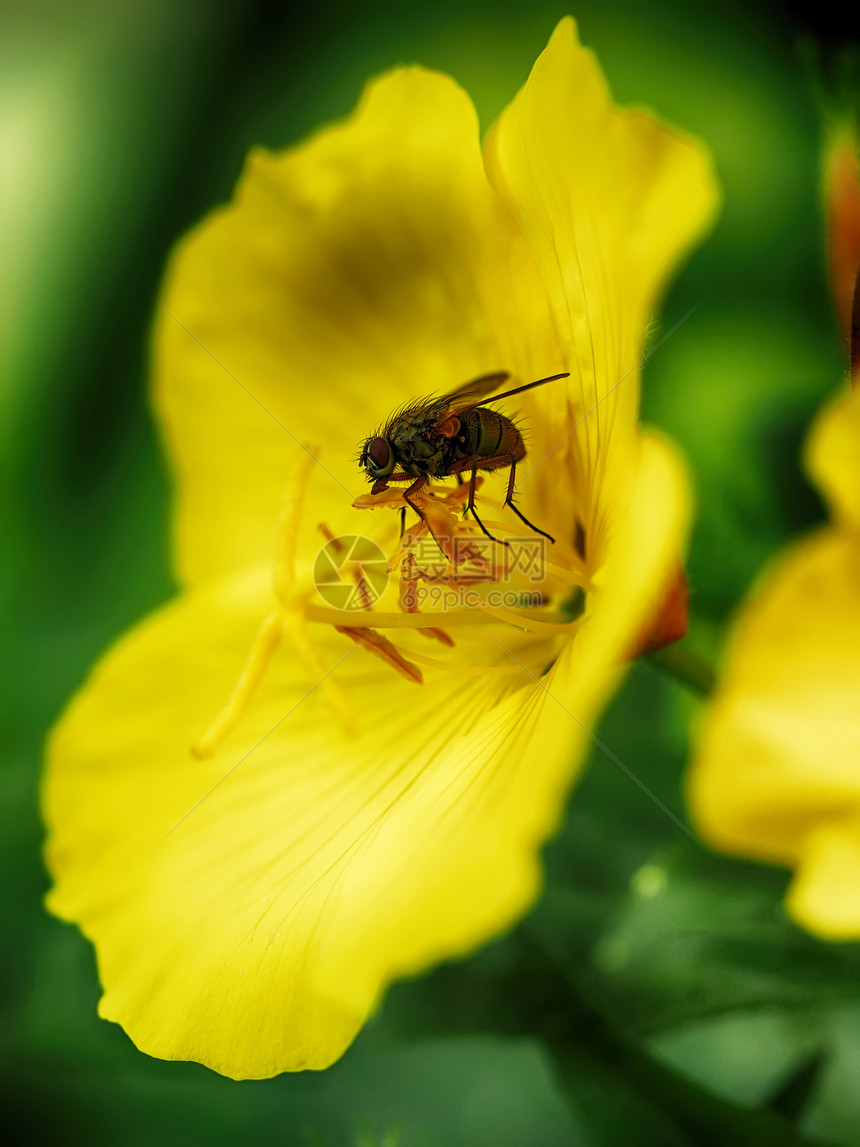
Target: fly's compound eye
{"x": 379, "y": 456}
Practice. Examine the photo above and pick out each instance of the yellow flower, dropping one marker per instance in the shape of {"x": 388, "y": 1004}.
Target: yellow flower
{"x": 777, "y": 775}
{"x": 342, "y": 824}
{"x": 777, "y": 771}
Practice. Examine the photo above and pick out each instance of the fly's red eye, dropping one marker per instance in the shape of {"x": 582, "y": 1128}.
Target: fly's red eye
{"x": 379, "y": 453}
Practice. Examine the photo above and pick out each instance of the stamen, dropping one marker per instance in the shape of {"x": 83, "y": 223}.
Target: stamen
{"x": 579, "y": 539}
{"x": 296, "y": 632}
{"x": 408, "y": 598}
{"x": 265, "y": 644}
{"x": 374, "y": 642}
{"x": 564, "y": 560}
{"x": 439, "y": 635}
{"x": 456, "y": 617}
{"x": 354, "y": 568}
{"x": 522, "y": 621}
{"x": 363, "y": 591}
{"x": 457, "y": 580}
{"x": 329, "y": 537}
{"x": 287, "y": 618}
{"x": 441, "y": 510}
{"x": 289, "y": 594}
{"x": 461, "y": 554}
{"x": 287, "y": 536}
{"x": 459, "y": 667}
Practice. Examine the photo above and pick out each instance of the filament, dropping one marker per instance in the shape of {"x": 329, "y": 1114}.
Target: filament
{"x": 457, "y": 617}
{"x": 265, "y": 643}
{"x": 458, "y": 666}
{"x": 287, "y": 537}
{"x": 524, "y": 621}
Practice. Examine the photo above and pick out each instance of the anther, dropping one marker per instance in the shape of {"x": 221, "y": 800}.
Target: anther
{"x": 374, "y": 642}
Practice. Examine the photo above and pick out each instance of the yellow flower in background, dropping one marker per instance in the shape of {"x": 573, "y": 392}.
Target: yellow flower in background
{"x": 360, "y": 808}
{"x": 777, "y": 773}
{"x": 776, "y": 776}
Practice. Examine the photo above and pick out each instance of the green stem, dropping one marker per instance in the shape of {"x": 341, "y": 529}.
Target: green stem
{"x": 575, "y": 1032}
{"x": 681, "y": 663}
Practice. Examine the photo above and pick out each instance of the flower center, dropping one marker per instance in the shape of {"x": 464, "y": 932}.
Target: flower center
{"x": 444, "y": 561}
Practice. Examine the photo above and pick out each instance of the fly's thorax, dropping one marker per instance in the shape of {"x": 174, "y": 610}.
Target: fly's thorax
{"x": 417, "y": 444}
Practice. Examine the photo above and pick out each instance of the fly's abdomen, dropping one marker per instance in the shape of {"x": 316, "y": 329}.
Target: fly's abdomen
{"x": 490, "y": 434}
{"x": 483, "y": 435}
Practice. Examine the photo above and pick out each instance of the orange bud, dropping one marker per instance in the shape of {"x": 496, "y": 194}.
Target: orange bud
{"x": 670, "y": 621}
{"x": 842, "y": 208}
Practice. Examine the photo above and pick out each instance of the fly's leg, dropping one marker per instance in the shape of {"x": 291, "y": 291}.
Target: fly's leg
{"x": 471, "y": 506}
{"x": 413, "y": 489}
{"x": 460, "y": 481}
{"x": 402, "y": 521}
{"x": 509, "y": 501}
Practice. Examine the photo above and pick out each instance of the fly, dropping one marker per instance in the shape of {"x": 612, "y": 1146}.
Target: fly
{"x": 451, "y": 435}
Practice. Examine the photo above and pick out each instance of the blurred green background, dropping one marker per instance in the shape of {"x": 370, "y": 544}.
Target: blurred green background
{"x": 121, "y": 123}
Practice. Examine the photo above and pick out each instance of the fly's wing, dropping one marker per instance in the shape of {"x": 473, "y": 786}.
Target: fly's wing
{"x": 466, "y": 395}
{"x": 477, "y": 393}
{"x": 471, "y": 393}
{"x": 438, "y": 408}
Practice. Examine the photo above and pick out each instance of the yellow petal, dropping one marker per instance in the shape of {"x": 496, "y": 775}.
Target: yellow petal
{"x": 825, "y": 893}
{"x": 479, "y": 877}
{"x": 833, "y": 457}
{"x": 608, "y": 201}
{"x": 248, "y": 918}
{"x": 248, "y": 909}
{"x": 364, "y": 268}
{"x": 779, "y": 750}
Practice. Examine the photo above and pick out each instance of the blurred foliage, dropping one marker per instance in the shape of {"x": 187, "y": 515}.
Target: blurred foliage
{"x": 123, "y": 122}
